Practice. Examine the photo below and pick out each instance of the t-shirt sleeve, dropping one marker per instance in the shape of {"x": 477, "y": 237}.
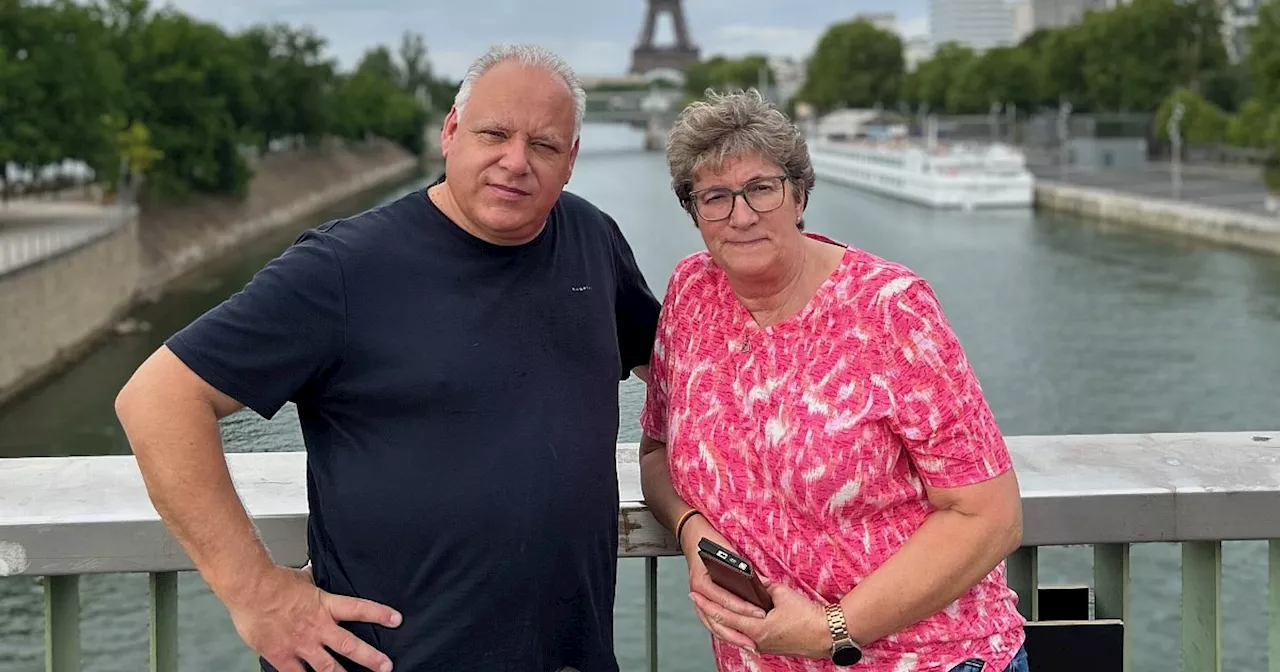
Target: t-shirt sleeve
{"x": 278, "y": 338}
{"x": 635, "y": 308}
{"x": 938, "y": 407}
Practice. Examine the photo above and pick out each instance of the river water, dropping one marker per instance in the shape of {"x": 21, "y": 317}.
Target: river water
{"x": 1072, "y": 327}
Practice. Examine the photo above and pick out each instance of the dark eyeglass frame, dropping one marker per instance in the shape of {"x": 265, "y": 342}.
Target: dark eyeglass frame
{"x": 735, "y": 193}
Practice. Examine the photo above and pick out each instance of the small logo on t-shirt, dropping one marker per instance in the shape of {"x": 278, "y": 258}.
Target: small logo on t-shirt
{"x": 581, "y": 288}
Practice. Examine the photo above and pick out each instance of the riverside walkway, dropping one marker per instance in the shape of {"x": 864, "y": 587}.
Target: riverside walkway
{"x": 33, "y": 231}
{"x": 1231, "y": 188}
{"x": 64, "y": 517}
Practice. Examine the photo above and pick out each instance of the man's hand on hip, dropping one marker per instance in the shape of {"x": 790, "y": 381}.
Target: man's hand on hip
{"x": 287, "y": 620}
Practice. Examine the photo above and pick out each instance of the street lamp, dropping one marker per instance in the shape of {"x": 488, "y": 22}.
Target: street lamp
{"x": 1064, "y": 114}
{"x": 1175, "y": 141}
{"x": 1011, "y": 113}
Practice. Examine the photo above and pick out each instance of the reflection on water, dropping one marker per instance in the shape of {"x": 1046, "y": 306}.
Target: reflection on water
{"x": 1073, "y": 328}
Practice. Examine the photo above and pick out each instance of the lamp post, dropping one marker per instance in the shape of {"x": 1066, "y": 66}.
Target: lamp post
{"x": 1175, "y": 141}
{"x": 1011, "y": 115}
{"x": 1064, "y": 159}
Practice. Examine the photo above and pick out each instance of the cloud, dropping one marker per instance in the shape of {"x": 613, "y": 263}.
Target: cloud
{"x": 737, "y": 40}
{"x": 595, "y": 36}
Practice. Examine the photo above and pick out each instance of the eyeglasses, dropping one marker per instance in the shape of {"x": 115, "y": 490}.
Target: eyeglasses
{"x": 762, "y": 194}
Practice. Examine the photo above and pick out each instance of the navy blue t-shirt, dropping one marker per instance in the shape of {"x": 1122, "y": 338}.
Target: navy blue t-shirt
{"x": 459, "y": 405}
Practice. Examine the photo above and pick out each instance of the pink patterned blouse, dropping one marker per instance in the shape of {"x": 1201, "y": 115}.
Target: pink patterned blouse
{"x": 807, "y": 443}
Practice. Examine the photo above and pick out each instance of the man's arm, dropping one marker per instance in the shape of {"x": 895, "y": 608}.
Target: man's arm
{"x": 281, "y": 338}
{"x": 170, "y": 416}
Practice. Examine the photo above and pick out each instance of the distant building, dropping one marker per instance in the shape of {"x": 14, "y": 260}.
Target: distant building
{"x": 788, "y": 75}
{"x": 1059, "y": 13}
{"x": 882, "y": 20}
{"x": 977, "y": 24}
{"x": 916, "y": 50}
{"x": 1023, "y": 19}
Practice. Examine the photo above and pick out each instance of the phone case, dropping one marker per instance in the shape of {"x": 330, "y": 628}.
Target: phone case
{"x": 733, "y": 574}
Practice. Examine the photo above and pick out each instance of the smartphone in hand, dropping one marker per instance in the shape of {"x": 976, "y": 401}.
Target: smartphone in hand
{"x": 733, "y": 573}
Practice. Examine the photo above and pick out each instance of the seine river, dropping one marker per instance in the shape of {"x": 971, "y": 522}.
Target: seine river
{"x": 1072, "y": 327}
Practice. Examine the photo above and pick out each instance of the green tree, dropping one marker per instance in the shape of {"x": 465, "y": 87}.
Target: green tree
{"x": 114, "y": 82}
{"x": 721, "y": 73}
{"x": 57, "y": 79}
{"x": 188, "y": 82}
{"x": 855, "y": 64}
{"x": 1227, "y": 87}
{"x": 1264, "y": 54}
{"x": 1249, "y": 127}
{"x": 932, "y": 80}
{"x": 290, "y": 77}
{"x": 1137, "y": 53}
{"x": 1001, "y": 75}
{"x": 369, "y": 102}
{"x": 1202, "y": 123}
{"x": 1062, "y": 78}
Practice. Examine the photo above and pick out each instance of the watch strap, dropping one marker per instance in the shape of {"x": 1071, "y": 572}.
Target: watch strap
{"x": 836, "y": 622}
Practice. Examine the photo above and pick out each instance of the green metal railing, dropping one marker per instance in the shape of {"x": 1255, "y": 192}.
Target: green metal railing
{"x": 1194, "y": 489}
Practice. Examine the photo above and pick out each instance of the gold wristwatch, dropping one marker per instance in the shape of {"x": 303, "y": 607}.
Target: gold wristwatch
{"x": 844, "y": 651}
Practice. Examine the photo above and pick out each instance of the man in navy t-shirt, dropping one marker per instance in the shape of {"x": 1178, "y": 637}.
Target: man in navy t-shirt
{"x": 454, "y": 356}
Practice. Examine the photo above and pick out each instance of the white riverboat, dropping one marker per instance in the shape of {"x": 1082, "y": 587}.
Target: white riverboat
{"x": 931, "y": 173}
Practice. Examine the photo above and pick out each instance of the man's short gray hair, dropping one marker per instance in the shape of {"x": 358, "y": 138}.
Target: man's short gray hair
{"x": 740, "y": 123}
{"x": 530, "y": 55}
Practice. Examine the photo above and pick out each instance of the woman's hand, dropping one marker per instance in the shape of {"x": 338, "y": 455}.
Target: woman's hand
{"x": 796, "y": 626}
{"x": 704, "y": 591}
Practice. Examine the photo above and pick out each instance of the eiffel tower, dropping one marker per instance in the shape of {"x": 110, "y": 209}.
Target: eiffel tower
{"x": 646, "y": 57}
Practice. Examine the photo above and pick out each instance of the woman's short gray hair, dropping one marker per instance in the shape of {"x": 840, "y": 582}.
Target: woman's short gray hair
{"x": 530, "y": 55}
{"x": 740, "y": 123}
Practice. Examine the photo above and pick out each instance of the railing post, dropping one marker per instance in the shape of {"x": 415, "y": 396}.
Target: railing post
{"x": 651, "y": 612}
{"x": 1273, "y": 605}
{"x": 164, "y": 621}
{"x": 1111, "y": 590}
{"x": 62, "y": 623}
{"x": 1023, "y": 575}
{"x": 1202, "y": 606}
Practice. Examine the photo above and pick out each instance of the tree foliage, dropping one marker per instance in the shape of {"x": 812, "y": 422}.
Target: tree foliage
{"x": 855, "y": 64}
{"x": 1126, "y": 59}
{"x": 720, "y": 73}
{"x": 125, "y": 84}
{"x": 1202, "y": 122}
{"x": 1264, "y": 55}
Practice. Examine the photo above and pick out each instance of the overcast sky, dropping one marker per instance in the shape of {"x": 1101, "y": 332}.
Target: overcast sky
{"x": 596, "y": 36}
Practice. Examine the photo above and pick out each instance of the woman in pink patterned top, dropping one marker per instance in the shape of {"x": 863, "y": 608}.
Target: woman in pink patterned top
{"x": 810, "y": 409}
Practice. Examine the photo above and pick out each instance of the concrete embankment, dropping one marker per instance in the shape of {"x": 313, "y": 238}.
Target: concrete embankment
{"x": 1226, "y": 226}
{"x": 287, "y": 187}
{"x": 53, "y": 311}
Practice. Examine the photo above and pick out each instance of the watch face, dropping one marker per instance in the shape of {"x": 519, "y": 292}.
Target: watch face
{"x": 846, "y": 655}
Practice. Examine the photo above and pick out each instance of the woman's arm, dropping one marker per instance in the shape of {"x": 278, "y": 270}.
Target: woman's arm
{"x": 668, "y": 507}
{"x": 974, "y": 528}
{"x": 655, "y": 483}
